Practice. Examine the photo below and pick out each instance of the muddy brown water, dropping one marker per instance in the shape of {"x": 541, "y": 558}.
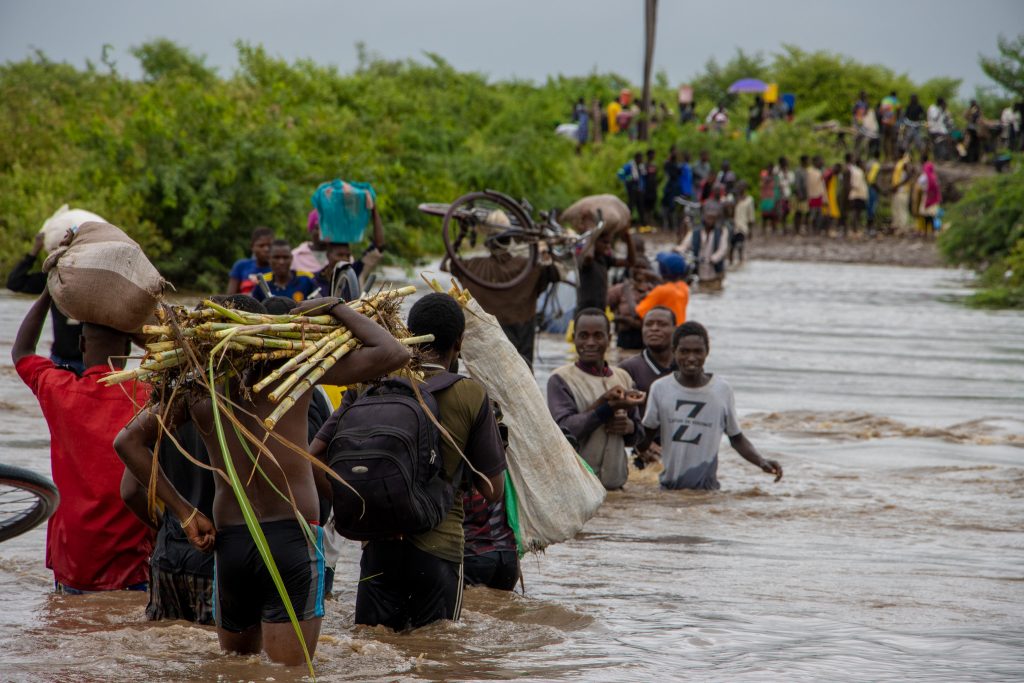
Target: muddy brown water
{"x": 892, "y": 550}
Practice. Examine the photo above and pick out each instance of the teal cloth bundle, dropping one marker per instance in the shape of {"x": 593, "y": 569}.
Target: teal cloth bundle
{"x": 345, "y": 209}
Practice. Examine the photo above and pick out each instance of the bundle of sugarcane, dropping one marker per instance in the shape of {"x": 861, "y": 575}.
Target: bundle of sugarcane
{"x": 182, "y": 344}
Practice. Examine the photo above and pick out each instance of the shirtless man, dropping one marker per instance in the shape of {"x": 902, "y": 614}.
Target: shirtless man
{"x": 249, "y": 612}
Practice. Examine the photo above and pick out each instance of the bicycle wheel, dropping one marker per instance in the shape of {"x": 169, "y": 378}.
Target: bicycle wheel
{"x": 490, "y": 219}
{"x": 26, "y": 501}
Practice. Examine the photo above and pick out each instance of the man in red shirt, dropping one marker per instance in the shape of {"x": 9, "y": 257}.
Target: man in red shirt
{"x": 93, "y": 542}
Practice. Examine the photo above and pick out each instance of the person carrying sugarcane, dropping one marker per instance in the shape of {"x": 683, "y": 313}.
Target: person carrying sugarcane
{"x": 250, "y": 614}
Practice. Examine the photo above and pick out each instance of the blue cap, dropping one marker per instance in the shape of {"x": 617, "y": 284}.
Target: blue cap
{"x": 671, "y": 265}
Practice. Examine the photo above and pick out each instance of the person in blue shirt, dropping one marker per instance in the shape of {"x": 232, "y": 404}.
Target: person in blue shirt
{"x": 686, "y": 177}
{"x": 297, "y": 285}
{"x": 240, "y": 280}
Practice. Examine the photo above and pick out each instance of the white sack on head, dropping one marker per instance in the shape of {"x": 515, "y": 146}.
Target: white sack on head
{"x": 57, "y": 225}
{"x": 555, "y": 491}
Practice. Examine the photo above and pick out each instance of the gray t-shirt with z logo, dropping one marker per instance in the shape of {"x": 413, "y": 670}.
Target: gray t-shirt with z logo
{"x": 692, "y": 422}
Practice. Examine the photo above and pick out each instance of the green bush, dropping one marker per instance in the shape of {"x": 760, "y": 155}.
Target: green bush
{"x": 985, "y": 231}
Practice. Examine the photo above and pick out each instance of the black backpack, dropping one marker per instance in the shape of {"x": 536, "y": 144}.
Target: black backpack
{"x": 388, "y": 450}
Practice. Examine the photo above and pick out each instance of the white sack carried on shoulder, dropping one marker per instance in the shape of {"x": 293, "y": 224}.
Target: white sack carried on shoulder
{"x": 556, "y": 493}
{"x": 57, "y": 225}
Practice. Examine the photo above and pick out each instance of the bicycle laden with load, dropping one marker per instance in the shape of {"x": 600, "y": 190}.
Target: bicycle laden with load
{"x": 496, "y": 221}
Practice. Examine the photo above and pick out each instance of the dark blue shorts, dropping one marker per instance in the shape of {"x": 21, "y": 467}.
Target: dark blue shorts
{"x": 244, "y": 593}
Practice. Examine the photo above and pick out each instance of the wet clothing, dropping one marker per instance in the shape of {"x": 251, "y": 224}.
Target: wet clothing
{"x": 572, "y": 389}
{"x": 413, "y": 581}
{"x": 467, "y": 415}
{"x": 244, "y": 593}
{"x": 66, "y": 332}
{"x": 490, "y": 556}
{"x": 172, "y": 552}
{"x": 299, "y": 287}
{"x": 691, "y": 421}
{"x": 498, "y": 570}
{"x": 403, "y": 587}
{"x": 93, "y": 541}
{"x": 246, "y": 271}
{"x": 180, "y": 596}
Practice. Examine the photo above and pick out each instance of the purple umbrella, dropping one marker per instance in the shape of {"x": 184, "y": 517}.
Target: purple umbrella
{"x": 748, "y": 85}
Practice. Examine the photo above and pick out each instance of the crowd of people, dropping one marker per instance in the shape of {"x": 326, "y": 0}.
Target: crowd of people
{"x": 881, "y": 128}
{"x": 809, "y": 198}
{"x": 193, "y": 552}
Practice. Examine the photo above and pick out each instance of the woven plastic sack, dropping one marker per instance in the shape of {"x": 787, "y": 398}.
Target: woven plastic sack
{"x": 344, "y": 209}
{"x": 551, "y": 491}
{"x": 103, "y": 277}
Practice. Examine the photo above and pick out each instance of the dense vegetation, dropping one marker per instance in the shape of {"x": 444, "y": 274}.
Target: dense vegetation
{"x": 188, "y": 160}
{"x": 986, "y": 232}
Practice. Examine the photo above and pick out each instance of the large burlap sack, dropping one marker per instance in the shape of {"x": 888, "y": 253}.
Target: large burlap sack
{"x": 103, "y": 277}
{"x": 57, "y": 225}
{"x": 553, "y": 493}
{"x": 582, "y": 215}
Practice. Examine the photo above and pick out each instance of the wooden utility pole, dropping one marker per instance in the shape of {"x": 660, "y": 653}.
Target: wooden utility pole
{"x": 650, "y": 29}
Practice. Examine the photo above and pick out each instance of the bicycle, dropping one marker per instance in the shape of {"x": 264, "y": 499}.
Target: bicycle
{"x": 503, "y": 223}
{"x": 27, "y": 500}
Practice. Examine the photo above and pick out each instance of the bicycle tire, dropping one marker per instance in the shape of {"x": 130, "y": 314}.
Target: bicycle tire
{"x": 515, "y": 213}
{"x": 27, "y": 500}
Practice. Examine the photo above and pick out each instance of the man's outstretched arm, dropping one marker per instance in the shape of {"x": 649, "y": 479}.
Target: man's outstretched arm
{"x": 28, "y": 334}
{"x": 743, "y": 446}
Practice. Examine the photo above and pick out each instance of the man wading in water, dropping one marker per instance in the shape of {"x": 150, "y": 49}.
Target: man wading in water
{"x": 693, "y": 409}
{"x": 249, "y": 612}
{"x": 596, "y": 403}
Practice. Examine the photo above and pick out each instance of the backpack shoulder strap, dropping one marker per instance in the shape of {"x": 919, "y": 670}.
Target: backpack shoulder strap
{"x": 441, "y": 381}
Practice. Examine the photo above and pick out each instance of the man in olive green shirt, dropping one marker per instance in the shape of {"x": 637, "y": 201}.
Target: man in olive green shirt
{"x": 410, "y": 582}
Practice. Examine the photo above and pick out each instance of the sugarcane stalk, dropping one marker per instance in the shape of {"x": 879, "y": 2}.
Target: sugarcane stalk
{"x": 294, "y": 362}
{"x": 313, "y": 361}
{"x": 269, "y": 342}
{"x": 142, "y": 371}
{"x": 162, "y": 346}
{"x": 314, "y": 376}
{"x": 273, "y": 355}
{"x": 422, "y": 339}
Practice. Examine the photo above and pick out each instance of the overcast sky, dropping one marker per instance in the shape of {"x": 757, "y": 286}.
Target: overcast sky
{"x": 524, "y": 38}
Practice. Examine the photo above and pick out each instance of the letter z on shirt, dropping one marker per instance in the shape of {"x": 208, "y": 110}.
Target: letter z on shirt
{"x": 692, "y": 422}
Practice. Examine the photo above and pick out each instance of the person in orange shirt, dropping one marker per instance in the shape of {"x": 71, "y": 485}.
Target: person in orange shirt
{"x": 674, "y": 293}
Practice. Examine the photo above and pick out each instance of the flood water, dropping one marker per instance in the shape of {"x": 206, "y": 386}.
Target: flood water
{"x": 893, "y": 549}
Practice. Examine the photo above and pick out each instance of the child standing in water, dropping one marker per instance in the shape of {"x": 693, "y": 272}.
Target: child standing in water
{"x": 691, "y": 409}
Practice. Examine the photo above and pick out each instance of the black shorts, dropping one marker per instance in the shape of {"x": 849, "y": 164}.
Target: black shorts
{"x": 738, "y": 238}
{"x": 402, "y": 587}
{"x": 243, "y": 590}
{"x": 497, "y": 569}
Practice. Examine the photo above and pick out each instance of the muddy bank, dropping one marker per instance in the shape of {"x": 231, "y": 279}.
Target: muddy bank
{"x": 882, "y": 250}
